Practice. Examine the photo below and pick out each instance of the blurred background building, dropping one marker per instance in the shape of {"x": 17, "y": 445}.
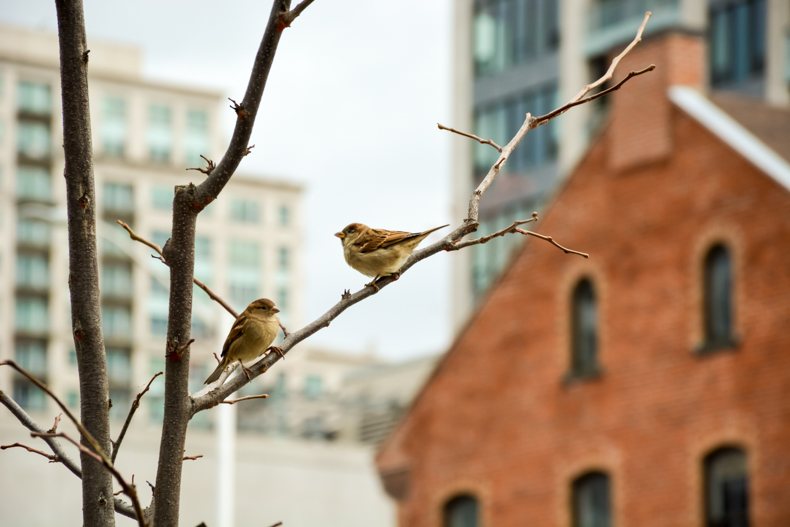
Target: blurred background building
{"x": 518, "y": 56}
{"x": 646, "y": 385}
{"x": 327, "y": 409}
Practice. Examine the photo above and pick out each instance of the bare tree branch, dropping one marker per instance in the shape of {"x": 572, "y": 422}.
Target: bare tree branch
{"x": 570, "y": 104}
{"x": 483, "y": 239}
{"x": 551, "y": 241}
{"x": 450, "y": 242}
{"x": 192, "y": 458}
{"x": 128, "y": 489}
{"x": 53, "y": 458}
{"x": 121, "y": 506}
{"x": 246, "y": 398}
{"x": 116, "y": 445}
{"x": 616, "y": 61}
{"x": 471, "y": 136}
{"x": 211, "y": 294}
{"x": 188, "y": 201}
{"x": 87, "y": 436}
{"x": 83, "y": 280}
{"x": 288, "y": 18}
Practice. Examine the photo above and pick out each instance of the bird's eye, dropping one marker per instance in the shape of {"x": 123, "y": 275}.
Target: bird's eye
{"x": 351, "y": 230}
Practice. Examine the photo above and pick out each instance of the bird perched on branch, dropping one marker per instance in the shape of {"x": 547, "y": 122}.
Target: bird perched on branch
{"x": 250, "y": 337}
{"x": 378, "y": 252}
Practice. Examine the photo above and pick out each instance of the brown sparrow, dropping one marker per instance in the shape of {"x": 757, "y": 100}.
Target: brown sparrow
{"x": 250, "y": 337}
{"x": 378, "y": 252}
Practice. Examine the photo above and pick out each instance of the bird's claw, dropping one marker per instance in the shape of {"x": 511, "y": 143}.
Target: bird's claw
{"x": 278, "y": 351}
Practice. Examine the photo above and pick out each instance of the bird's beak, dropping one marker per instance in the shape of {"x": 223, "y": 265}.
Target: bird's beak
{"x": 340, "y": 235}
{"x": 275, "y": 310}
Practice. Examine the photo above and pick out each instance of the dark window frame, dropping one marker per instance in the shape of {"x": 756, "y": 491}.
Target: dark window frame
{"x": 718, "y": 300}
{"x": 457, "y": 508}
{"x": 591, "y": 500}
{"x": 726, "y": 487}
{"x": 585, "y": 334}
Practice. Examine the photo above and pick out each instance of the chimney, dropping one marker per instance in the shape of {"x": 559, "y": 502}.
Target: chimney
{"x": 640, "y": 120}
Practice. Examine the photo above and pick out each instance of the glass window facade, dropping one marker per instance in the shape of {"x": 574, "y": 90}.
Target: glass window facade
{"x": 32, "y": 232}
{"x": 35, "y": 98}
{"x": 160, "y": 133}
{"x": 245, "y": 211}
{"x": 511, "y": 32}
{"x": 34, "y": 140}
{"x": 117, "y": 322}
{"x": 33, "y": 183}
{"x": 32, "y": 270}
{"x": 162, "y": 197}
{"x": 196, "y": 136}
{"x": 118, "y": 197}
{"x": 31, "y": 314}
{"x": 114, "y": 126}
{"x": 737, "y": 41}
{"x": 32, "y": 356}
{"x": 116, "y": 279}
{"x": 501, "y": 120}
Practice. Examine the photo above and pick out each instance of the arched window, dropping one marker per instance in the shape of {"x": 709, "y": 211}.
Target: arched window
{"x": 584, "y": 328}
{"x": 726, "y": 488}
{"x": 461, "y": 511}
{"x": 591, "y": 501}
{"x": 718, "y": 305}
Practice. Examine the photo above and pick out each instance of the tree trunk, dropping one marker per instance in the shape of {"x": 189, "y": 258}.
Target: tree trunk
{"x": 97, "y": 493}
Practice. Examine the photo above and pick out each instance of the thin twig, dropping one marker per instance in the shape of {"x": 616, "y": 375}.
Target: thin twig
{"x": 470, "y": 224}
{"x": 120, "y": 506}
{"x": 210, "y": 166}
{"x": 116, "y": 445}
{"x": 53, "y": 458}
{"x": 82, "y": 430}
{"x": 192, "y": 458}
{"x": 479, "y": 139}
{"x": 290, "y": 16}
{"x": 246, "y": 398}
{"x": 483, "y": 239}
{"x": 128, "y": 489}
{"x": 551, "y": 241}
{"x": 562, "y": 109}
{"x": 278, "y": 524}
{"x": 161, "y": 257}
{"x": 55, "y": 424}
{"x": 615, "y": 62}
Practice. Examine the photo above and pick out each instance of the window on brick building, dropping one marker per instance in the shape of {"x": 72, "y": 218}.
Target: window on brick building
{"x": 717, "y": 299}
{"x": 461, "y": 511}
{"x": 726, "y": 488}
{"x": 591, "y": 500}
{"x": 584, "y": 330}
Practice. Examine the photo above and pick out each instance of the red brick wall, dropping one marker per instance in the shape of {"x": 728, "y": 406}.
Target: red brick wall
{"x": 497, "y": 418}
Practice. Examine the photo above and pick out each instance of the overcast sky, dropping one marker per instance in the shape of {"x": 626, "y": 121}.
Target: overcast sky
{"x": 350, "y": 111}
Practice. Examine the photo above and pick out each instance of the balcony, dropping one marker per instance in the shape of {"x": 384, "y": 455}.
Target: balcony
{"x": 614, "y": 22}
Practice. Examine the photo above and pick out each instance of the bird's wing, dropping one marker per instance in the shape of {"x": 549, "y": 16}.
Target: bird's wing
{"x": 235, "y": 333}
{"x": 375, "y": 239}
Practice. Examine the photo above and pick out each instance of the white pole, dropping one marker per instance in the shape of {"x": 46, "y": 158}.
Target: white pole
{"x": 226, "y": 454}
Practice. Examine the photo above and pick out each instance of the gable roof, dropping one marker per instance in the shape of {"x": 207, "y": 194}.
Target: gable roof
{"x": 760, "y": 133}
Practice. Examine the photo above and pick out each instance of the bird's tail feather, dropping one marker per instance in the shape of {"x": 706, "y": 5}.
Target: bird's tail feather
{"x": 216, "y": 373}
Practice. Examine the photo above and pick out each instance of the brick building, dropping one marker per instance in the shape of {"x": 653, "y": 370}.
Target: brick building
{"x": 650, "y": 384}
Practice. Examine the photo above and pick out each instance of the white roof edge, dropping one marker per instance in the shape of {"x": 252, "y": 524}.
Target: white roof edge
{"x": 731, "y": 132}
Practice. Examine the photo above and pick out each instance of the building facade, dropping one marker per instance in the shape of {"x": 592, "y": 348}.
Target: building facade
{"x": 145, "y": 135}
{"x": 518, "y": 56}
{"x": 648, "y": 384}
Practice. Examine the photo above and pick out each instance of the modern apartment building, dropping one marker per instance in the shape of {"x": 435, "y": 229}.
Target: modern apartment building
{"x": 145, "y": 134}
{"x": 518, "y": 56}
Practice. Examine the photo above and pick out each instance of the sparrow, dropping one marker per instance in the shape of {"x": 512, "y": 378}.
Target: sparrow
{"x": 378, "y": 252}
{"x": 250, "y": 337}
